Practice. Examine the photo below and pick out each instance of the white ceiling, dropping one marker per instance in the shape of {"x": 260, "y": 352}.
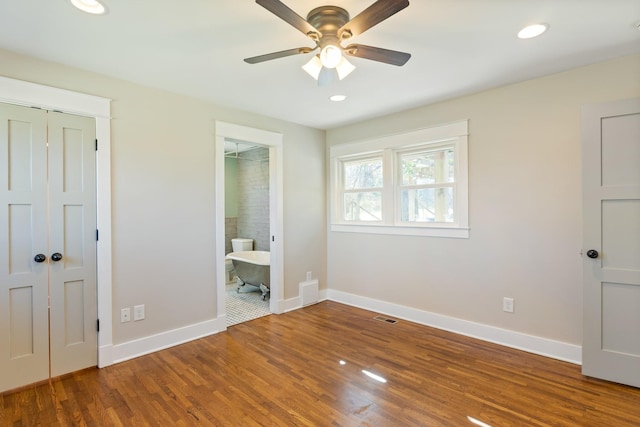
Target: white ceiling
{"x": 196, "y": 48}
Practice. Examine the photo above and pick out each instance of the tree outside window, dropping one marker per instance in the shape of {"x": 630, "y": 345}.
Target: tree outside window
{"x": 427, "y": 185}
{"x": 362, "y": 188}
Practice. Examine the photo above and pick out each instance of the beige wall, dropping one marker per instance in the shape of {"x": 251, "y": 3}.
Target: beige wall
{"x": 525, "y": 209}
{"x": 163, "y": 196}
{"x": 524, "y": 186}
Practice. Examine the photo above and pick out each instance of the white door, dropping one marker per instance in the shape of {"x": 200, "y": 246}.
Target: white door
{"x": 611, "y": 265}
{"x": 24, "y": 293}
{"x": 72, "y": 235}
{"x": 47, "y": 245}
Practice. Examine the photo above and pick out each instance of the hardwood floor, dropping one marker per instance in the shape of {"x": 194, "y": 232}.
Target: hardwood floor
{"x": 286, "y": 370}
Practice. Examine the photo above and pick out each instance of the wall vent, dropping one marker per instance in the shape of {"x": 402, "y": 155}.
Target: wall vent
{"x": 385, "y": 320}
{"x": 309, "y": 292}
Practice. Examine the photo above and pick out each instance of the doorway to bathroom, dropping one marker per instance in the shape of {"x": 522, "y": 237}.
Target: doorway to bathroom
{"x": 247, "y": 233}
{"x": 248, "y": 220}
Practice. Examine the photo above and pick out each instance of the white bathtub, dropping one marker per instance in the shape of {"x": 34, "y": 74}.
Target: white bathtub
{"x": 253, "y": 268}
{"x": 252, "y": 257}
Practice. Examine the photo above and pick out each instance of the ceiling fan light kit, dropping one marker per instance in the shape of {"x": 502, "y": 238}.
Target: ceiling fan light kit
{"x": 315, "y": 67}
{"x": 328, "y": 27}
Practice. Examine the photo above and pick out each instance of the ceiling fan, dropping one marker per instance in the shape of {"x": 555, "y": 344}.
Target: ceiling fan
{"x": 328, "y": 27}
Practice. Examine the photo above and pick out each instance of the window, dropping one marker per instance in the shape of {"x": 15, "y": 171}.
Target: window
{"x": 426, "y": 185}
{"x": 413, "y": 183}
{"x": 362, "y": 189}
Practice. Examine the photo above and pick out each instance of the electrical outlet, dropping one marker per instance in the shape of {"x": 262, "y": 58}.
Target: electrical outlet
{"x": 507, "y": 305}
{"x": 138, "y": 312}
{"x": 125, "y": 315}
{"x": 308, "y": 276}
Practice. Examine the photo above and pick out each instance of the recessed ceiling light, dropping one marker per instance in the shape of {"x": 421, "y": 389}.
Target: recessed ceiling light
{"x": 532, "y": 31}
{"x": 90, "y": 6}
{"x": 338, "y": 98}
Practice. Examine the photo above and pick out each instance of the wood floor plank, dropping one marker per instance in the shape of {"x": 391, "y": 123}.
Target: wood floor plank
{"x": 305, "y": 368}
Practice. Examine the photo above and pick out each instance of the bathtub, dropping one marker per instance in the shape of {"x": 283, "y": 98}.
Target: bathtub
{"x": 253, "y": 268}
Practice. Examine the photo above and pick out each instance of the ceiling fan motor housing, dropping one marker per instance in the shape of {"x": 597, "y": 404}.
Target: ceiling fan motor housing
{"x": 328, "y": 20}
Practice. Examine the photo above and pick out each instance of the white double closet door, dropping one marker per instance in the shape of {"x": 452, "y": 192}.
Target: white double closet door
{"x": 48, "y": 302}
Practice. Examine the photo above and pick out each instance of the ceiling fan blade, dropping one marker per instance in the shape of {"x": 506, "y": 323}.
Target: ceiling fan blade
{"x": 379, "y": 54}
{"x": 276, "y": 55}
{"x": 373, "y": 15}
{"x": 283, "y": 12}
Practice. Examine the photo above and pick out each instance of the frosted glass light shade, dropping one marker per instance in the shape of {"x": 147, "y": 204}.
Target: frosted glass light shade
{"x": 330, "y": 56}
{"x": 313, "y": 67}
{"x": 344, "y": 68}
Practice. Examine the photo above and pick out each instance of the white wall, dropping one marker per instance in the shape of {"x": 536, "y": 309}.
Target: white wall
{"x": 525, "y": 209}
{"x": 163, "y": 196}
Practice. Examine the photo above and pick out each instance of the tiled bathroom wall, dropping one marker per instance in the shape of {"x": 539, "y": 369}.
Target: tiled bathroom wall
{"x": 253, "y": 198}
{"x": 230, "y": 232}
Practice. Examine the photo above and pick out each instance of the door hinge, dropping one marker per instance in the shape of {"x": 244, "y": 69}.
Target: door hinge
{"x": 97, "y": 236}
{"x": 96, "y": 144}
{"x": 98, "y": 325}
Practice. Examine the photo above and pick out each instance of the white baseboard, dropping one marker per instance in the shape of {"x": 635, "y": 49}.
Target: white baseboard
{"x": 292, "y": 304}
{"x": 153, "y": 343}
{"x": 296, "y": 302}
{"x": 105, "y": 356}
{"x": 109, "y": 355}
{"x": 532, "y": 344}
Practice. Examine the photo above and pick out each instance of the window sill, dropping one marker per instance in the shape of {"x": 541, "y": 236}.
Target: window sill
{"x": 451, "y": 232}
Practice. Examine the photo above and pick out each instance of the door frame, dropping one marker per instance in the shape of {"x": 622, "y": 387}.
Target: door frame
{"x": 29, "y": 94}
{"x": 273, "y": 141}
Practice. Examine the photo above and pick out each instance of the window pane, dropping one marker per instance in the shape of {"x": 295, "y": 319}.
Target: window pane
{"x": 364, "y": 206}
{"x": 427, "y": 205}
{"x": 431, "y": 167}
{"x": 365, "y": 173}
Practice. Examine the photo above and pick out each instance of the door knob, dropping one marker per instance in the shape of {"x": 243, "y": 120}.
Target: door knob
{"x": 40, "y": 258}
{"x": 56, "y": 256}
{"x": 592, "y": 253}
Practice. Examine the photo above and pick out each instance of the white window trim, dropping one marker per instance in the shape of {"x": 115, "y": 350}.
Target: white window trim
{"x": 451, "y": 133}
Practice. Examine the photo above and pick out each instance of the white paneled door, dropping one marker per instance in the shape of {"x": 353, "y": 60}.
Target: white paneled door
{"x": 48, "y": 303}
{"x": 611, "y": 269}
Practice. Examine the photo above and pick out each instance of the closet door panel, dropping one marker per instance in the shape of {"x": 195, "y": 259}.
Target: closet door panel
{"x": 24, "y": 353}
{"x": 72, "y": 213}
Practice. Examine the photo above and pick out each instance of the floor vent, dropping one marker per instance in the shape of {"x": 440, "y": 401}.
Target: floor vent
{"x": 385, "y": 319}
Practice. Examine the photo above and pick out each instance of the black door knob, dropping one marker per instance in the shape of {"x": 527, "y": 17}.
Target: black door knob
{"x": 40, "y": 258}
{"x": 56, "y": 256}
{"x": 592, "y": 253}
